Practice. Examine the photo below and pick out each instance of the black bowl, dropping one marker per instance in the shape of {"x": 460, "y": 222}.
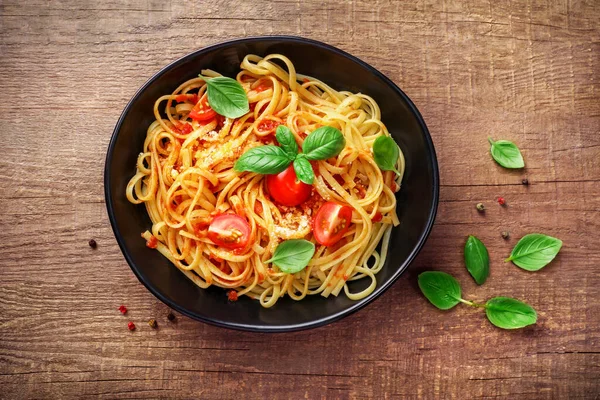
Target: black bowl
{"x": 417, "y": 201}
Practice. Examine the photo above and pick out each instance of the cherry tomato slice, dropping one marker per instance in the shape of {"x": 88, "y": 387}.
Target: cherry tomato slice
{"x": 286, "y": 189}
{"x": 202, "y": 111}
{"x": 331, "y": 223}
{"x": 230, "y": 231}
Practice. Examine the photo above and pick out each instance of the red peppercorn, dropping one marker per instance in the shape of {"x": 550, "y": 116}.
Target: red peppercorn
{"x": 501, "y": 201}
{"x": 123, "y": 309}
{"x": 131, "y": 326}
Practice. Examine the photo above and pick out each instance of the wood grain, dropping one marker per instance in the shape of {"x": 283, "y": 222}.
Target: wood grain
{"x": 525, "y": 70}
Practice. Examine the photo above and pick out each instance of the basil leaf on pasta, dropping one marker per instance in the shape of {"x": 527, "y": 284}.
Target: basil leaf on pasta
{"x": 506, "y": 153}
{"x": 303, "y": 169}
{"x": 287, "y": 141}
{"x": 293, "y": 255}
{"x": 386, "y": 153}
{"x": 323, "y": 143}
{"x": 507, "y": 313}
{"x": 263, "y": 160}
{"x": 227, "y": 97}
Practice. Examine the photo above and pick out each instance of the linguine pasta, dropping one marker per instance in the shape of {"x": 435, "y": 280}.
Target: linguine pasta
{"x": 185, "y": 177}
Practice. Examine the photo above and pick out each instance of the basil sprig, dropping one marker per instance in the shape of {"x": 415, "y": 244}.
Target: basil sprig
{"x": 386, "y": 153}
{"x": 444, "y": 292}
{"x": 534, "y": 251}
{"x": 321, "y": 144}
{"x": 506, "y": 153}
{"x": 292, "y": 256}
{"x": 226, "y": 96}
{"x": 477, "y": 259}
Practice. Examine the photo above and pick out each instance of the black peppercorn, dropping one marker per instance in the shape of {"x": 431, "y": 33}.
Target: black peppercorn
{"x": 505, "y": 235}
{"x": 93, "y": 243}
{"x": 525, "y": 181}
{"x": 171, "y": 317}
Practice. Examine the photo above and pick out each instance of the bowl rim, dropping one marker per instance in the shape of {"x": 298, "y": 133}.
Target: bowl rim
{"x": 359, "y": 304}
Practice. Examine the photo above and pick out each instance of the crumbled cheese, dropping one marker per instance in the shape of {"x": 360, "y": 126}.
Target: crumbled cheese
{"x": 174, "y": 173}
{"x": 292, "y": 226}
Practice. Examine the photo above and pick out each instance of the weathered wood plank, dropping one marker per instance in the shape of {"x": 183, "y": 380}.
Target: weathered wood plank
{"x": 522, "y": 70}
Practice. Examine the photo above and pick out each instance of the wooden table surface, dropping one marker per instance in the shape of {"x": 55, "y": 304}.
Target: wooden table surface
{"x": 523, "y": 70}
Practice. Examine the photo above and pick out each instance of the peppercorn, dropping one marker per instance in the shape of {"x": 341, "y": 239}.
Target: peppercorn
{"x": 501, "y": 201}
{"x": 123, "y": 309}
{"x": 93, "y": 243}
{"x": 505, "y": 235}
{"x": 131, "y": 326}
{"x": 171, "y": 317}
{"x": 153, "y": 324}
{"x": 480, "y": 207}
{"x": 525, "y": 181}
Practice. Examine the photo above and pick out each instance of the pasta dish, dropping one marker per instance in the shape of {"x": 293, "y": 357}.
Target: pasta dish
{"x": 271, "y": 184}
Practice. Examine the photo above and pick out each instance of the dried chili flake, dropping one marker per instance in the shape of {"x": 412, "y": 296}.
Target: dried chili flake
{"x": 131, "y": 326}
{"x": 152, "y": 242}
{"x": 123, "y": 309}
{"x": 232, "y": 295}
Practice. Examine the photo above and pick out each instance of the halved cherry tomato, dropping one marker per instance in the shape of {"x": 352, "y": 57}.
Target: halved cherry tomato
{"x": 331, "y": 223}
{"x": 286, "y": 189}
{"x": 230, "y": 231}
{"x": 202, "y": 111}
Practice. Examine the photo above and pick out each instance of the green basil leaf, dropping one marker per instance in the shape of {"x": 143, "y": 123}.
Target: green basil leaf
{"x": 386, "y": 153}
{"x": 293, "y": 255}
{"x": 477, "y": 259}
{"x": 303, "y": 169}
{"x": 287, "y": 141}
{"x": 535, "y": 251}
{"x": 263, "y": 160}
{"x": 323, "y": 143}
{"x": 440, "y": 288}
{"x": 507, "y": 313}
{"x": 227, "y": 97}
{"x": 506, "y": 154}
